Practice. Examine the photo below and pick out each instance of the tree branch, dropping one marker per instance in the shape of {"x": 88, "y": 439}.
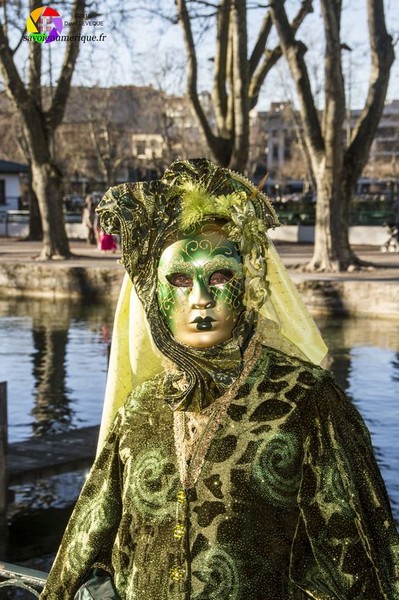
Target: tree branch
{"x": 294, "y": 52}
{"x": 192, "y": 71}
{"x": 57, "y": 109}
{"x": 21, "y": 39}
{"x": 382, "y": 58}
{"x": 35, "y": 69}
{"x": 10, "y": 74}
{"x": 240, "y": 87}
{"x": 93, "y": 129}
{"x": 334, "y": 113}
{"x": 259, "y": 48}
{"x": 272, "y": 56}
{"x": 219, "y": 92}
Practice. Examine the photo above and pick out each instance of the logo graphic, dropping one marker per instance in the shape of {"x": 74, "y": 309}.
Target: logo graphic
{"x": 44, "y": 25}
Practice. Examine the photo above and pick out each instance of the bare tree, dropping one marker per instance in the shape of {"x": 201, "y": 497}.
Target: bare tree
{"x": 237, "y": 77}
{"x": 336, "y": 168}
{"x": 40, "y": 116}
{"x": 97, "y": 138}
{"x": 107, "y": 138}
{"x": 13, "y": 147}
{"x": 94, "y": 139}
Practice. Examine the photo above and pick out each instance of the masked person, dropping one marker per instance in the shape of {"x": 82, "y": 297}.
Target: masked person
{"x": 235, "y": 468}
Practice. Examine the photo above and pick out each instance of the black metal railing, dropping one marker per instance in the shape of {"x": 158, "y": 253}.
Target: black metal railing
{"x": 361, "y": 213}
{"x": 21, "y": 217}
{"x": 15, "y": 576}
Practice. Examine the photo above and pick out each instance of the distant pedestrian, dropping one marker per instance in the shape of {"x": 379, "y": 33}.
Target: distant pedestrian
{"x": 396, "y": 215}
{"x": 89, "y": 219}
{"x": 106, "y": 242}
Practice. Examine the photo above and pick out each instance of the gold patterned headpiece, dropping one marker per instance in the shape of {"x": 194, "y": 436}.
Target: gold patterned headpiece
{"x": 190, "y": 193}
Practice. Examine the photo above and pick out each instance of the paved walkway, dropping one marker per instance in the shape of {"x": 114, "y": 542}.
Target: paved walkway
{"x": 13, "y": 250}
{"x": 41, "y": 457}
{"x": 17, "y": 250}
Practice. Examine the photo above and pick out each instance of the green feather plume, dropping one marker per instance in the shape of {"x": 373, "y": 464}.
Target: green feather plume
{"x": 197, "y": 204}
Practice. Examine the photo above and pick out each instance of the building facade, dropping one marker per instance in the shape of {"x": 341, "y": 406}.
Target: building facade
{"x": 12, "y": 175}
{"x": 277, "y": 147}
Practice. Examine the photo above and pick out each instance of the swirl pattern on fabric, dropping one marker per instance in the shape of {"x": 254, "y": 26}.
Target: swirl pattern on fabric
{"x": 276, "y": 468}
{"x": 219, "y": 573}
{"x": 152, "y": 487}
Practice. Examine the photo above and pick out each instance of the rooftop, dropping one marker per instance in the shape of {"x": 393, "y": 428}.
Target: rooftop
{"x": 8, "y": 167}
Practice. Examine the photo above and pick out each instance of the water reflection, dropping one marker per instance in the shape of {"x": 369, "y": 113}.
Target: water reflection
{"x": 52, "y": 411}
{"x": 54, "y": 357}
{"x": 395, "y": 364}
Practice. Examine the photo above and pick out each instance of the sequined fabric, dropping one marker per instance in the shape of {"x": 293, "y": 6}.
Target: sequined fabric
{"x": 289, "y": 503}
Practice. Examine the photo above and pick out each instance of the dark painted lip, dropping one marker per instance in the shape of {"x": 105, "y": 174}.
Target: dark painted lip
{"x": 204, "y": 323}
{"x": 202, "y": 319}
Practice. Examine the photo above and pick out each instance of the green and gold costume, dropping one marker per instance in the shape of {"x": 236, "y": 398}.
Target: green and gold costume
{"x": 289, "y": 502}
{"x": 239, "y": 471}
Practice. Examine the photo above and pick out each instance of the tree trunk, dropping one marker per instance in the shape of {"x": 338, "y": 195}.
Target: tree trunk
{"x": 46, "y": 183}
{"x": 239, "y": 157}
{"x": 237, "y": 79}
{"x": 40, "y": 125}
{"x": 35, "y": 222}
{"x": 331, "y": 248}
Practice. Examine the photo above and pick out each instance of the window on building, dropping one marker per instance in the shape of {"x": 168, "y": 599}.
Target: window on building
{"x": 2, "y": 192}
{"x": 140, "y": 146}
{"x": 287, "y": 148}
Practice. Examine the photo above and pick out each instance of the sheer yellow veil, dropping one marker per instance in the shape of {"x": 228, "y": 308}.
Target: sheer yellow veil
{"x": 133, "y": 358}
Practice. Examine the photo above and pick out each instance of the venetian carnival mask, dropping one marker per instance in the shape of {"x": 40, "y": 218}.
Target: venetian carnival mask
{"x": 200, "y": 288}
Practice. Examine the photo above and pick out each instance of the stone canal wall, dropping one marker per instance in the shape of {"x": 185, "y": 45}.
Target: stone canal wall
{"x": 361, "y": 294}
{"x": 373, "y": 298}
{"x": 59, "y": 280}
{"x": 90, "y": 274}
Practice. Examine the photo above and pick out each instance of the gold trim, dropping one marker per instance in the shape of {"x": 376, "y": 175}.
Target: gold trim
{"x": 192, "y": 444}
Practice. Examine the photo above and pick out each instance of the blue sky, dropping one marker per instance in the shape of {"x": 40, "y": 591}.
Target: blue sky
{"x": 151, "y": 52}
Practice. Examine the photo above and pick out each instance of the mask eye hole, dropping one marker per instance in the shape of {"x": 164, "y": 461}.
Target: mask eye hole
{"x": 180, "y": 280}
{"x": 221, "y": 277}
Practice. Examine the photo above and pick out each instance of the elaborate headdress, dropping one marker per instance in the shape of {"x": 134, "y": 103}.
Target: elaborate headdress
{"x": 149, "y": 214}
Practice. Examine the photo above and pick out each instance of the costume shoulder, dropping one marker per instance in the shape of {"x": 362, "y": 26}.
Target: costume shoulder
{"x": 292, "y": 377}
{"x": 283, "y": 361}
{"x": 143, "y": 396}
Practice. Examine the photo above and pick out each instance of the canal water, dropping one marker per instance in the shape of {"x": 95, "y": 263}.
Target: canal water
{"x": 54, "y": 355}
